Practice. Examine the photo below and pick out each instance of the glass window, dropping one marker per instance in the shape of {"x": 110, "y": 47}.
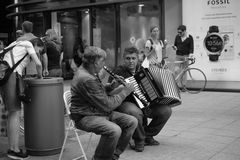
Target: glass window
{"x": 74, "y": 28}
{"x": 135, "y": 20}
{"x": 72, "y": 25}
{"x": 38, "y": 22}
{"x": 104, "y": 31}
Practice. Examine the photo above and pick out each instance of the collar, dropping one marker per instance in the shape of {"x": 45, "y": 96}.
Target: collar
{"x": 186, "y": 35}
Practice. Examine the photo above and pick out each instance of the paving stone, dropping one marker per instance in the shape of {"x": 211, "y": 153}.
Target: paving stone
{"x": 205, "y": 126}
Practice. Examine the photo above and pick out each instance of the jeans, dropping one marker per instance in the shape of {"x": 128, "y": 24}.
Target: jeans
{"x": 181, "y": 67}
{"x": 115, "y": 130}
{"x": 132, "y": 109}
{"x": 158, "y": 114}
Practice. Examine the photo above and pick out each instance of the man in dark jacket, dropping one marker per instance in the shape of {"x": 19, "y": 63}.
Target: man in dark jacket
{"x": 159, "y": 114}
{"x": 184, "y": 47}
{"x": 183, "y": 43}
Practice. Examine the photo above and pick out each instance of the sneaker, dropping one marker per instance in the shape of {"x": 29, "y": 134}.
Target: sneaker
{"x": 17, "y": 155}
{"x": 151, "y": 142}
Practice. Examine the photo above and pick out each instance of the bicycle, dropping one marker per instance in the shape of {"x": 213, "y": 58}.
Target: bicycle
{"x": 192, "y": 80}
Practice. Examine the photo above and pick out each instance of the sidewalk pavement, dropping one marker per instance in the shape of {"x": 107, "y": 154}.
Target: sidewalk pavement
{"x": 206, "y": 126}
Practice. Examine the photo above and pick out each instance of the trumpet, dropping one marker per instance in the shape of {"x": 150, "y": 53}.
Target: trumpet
{"x": 123, "y": 82}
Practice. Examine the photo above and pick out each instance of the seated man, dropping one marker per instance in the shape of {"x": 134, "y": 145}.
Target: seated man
{"x": 144, "y": 133}
{"x": 92, "y": 108}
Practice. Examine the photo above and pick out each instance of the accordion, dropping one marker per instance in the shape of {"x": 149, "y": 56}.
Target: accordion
{"x": 156, "y": 85}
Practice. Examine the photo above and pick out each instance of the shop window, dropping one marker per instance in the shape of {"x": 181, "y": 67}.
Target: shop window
{"x": 104, "y": 31}
{"x": 38, "y": 23}
{"x": 135, "y": 20}
{"x": 74, "y": 29}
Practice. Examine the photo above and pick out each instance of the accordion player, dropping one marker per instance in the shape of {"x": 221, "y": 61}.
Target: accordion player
{"x": 156, "y": 85}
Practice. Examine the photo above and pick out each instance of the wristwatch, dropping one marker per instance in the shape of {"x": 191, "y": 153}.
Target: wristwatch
{"x": 213, "y": 43}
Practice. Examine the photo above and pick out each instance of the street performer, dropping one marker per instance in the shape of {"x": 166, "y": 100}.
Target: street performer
{"x": 159, "y": 114}
{"x": 92, "y": 108}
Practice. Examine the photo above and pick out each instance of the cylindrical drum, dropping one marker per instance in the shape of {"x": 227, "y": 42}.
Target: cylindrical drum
{"x": 44, "y": 116}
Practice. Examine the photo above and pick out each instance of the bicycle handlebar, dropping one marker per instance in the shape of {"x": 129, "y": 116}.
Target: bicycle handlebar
{"x": 191, "y": 59}
{"x": 164, "y": 58}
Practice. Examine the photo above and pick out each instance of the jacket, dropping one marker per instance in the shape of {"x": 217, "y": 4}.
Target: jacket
{"x": 89, "y": 95}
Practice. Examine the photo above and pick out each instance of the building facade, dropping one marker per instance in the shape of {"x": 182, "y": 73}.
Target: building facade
{"x": 109, "y": 24}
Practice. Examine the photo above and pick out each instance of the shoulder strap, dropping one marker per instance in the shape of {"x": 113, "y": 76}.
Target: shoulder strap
{"x": 8, "y": 48}
{"x": 15, "y": 65}
{"x": 151, "y": 41}
{"x": 13, "y": 62}
{"x": 161, "y": 43}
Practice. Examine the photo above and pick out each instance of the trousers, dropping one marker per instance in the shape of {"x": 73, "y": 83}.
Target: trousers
{"x": 159, "y": 115}
{"x": 115, "y": 130}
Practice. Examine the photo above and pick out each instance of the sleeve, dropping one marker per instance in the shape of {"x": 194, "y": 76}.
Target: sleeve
{"x": 29, "y": 47}
{"x": 191, "y": 45}
{"x": 97, "y": 96}
{"x": 175, "y": 41}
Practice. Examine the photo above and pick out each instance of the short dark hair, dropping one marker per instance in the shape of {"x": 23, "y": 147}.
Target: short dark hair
{"x": 38, "y": 42}
{"x": 27, "y": 26}
{"x": 130, "y": 50}
{"x": 182, "y": 28}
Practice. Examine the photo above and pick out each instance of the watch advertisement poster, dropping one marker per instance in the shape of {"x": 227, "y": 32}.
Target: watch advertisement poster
{"x": 215, "y": 27}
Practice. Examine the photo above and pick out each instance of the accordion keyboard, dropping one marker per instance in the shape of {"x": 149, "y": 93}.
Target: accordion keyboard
{"x": 137, "y": 89}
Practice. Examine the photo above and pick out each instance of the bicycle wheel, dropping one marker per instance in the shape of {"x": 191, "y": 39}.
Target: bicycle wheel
{"x": 193, "y": 80}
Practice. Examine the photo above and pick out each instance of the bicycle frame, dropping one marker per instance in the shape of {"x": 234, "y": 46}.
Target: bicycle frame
{"x": 179, "y": 75}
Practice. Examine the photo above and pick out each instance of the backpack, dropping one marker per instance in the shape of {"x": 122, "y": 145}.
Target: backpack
{"x": 5, "y": 69}
{"x": 160, "y": 41}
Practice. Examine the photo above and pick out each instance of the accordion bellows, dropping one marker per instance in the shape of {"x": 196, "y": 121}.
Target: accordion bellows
{"x": 157, "y": 85}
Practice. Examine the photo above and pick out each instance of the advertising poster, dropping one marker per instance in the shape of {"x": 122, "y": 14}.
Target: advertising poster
{"x": 217, "y": 55}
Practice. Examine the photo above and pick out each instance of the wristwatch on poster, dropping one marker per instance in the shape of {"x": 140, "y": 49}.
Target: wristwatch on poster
{"x": 213, "y": 43}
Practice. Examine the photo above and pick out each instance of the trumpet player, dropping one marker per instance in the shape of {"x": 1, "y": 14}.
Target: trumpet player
{"x": 93, "y": 109}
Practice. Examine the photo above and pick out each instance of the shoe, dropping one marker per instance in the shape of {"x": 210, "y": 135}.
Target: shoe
{"x": 151, "y": 142}
{"x": 138, "y": 147}
{"x": 17, "y": 155}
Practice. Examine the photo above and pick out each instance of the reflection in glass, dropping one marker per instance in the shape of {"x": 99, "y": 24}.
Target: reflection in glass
{"x": 136, "y": 20}
{"x": 104, "y": 32}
